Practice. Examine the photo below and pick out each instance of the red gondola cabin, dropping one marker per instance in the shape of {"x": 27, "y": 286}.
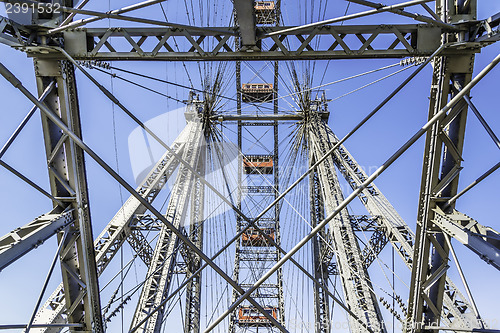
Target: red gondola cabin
{"x": 258, "y": 164}
{"x": 250, "y": 316}
{"x": 253, "y": 237}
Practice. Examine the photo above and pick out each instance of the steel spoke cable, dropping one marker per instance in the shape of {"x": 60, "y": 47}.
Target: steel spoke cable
{"x": 47, "y": 278}
{"x": 359, "y": 125}
{"x": 177, "y": 47}
{"x": 373, "y": 82}
{"x": 272, "y": 241}
{"x": 58, "y": 122}
{"x": 275, "y": 188}
{"x": 346, "y": 17}
{"x": 339, "y": 81}
{"x": 442, "y": 112}
{"x": 30, "y": 182}
{"x": 381, "y": 264}
{"x": 92, "y": 66}
{"x": 137, "y": 84}
{"x": 348, "y": 266}
{"x": 138, "y": 286}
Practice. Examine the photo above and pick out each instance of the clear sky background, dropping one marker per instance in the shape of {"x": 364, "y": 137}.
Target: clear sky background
{"x": 108, "y": 131}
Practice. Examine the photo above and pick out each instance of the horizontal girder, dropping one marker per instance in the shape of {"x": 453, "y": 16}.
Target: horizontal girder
{"x": 28, "y": 237}
{"x": 337, "y": 42}
{"x": 484, "y": 241}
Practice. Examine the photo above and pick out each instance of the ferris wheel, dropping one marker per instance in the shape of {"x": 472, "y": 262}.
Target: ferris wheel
{"x": 249, "y": 166}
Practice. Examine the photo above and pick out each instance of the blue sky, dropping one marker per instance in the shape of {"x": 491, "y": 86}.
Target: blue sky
{"x": 386, "y": 132}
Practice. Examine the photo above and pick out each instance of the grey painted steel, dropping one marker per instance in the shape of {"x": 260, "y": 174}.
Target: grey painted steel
{"x": 471, "y": 185}
{"x": 483, "y": 121}
{"x": 127, "y": 9}
{"x": 109, "y": 15}
{"x": 119, "y": 228}
{"x": 348, "y": 135}
{"x": 258, "y": 117}
{"x": 28, "y": 237}
{"x": 196, "y": 234}
{"x": 358, "y": 290}
{"x": 353, "y": 16}
{"x": 179, "y": 233}
{"x": 340, "y": 42}
{"x": 484, "y": 241}
{"x": 321, "y": 257}
{"x": 443, "y": 187}
{"x": 362, "y": 187}
{"x": 47, "y": 279}
{"x": 440, "y": 175}
{"x": 67, "y": 179}
{"x": 17, "y": 84}
{"x": 402, "y": 238}
{"x": 245, "y": 19}
{"x": 464, "y": 281}
{"x": 30, "y": 183}
{"x": 402, "y": 12}
{"x": 160, "y": 274}
{"x": 13, "y": 34}
{"x": 486, "y": 30}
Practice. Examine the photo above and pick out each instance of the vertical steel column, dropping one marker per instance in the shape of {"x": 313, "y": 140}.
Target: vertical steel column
{"x": 68, "y": 182}
{"x": 193, "y": 288}
{"x": 441, "y": 168}
{"x": 321, "y": 300}
{"x": 457, "y": 309}
{"x": 236, "y": 270}
{"x": 281, "y": 300}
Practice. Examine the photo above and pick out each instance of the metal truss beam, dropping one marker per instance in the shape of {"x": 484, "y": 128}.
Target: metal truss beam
{"x": 375, "y": 245}
{"x": 484, "y": 241}
{"x": 358, "y": 291}
{"x": 337, "y": 42}
{"x": 14, "y": 34}
{"x": 78, "y": 141}
{"x": 416, "y": 136}
{"x": 402, "y": 12}
{"x": 116, "y": 231}
{"x": 486, "y": 32}
{"x": 160, "y": 271}
{"x": 20, "y": 241}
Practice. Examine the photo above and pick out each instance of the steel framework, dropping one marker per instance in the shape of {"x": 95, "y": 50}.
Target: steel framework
{"x": 256, "y": 287}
